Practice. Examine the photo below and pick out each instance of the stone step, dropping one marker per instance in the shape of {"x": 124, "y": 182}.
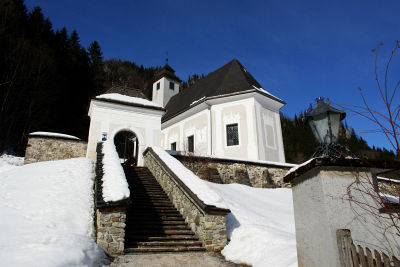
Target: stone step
{"x": 160, "y": 227}
{"x": 154, "y": 205}
{"x": 168, "y": 244}
{"x": 145, "y": 207}
{"x": 160, "y": 222}
{"x": 155, "y": 212}
{"x": 164, "y": 249}
{"x": 153, "y": 223}
{"x": 146, "y": 196}
{"x": 140, "y": 238}
{"x": 134, "y": 232}
{"x": 158, "y": 218}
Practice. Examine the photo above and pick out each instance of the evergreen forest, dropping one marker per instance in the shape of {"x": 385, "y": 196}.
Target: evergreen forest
{"x": 47, "y": 79}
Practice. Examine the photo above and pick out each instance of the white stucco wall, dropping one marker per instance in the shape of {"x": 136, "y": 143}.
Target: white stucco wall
{"x": 211, "y": 118}
{"x": 164, "y": 94}
{"x": 242, "y": 113}
{"x": 270, "y": 132}
{"x": 196, "y": 125}
{"x": 111, "y": 118}
{"x": 321, "y": 208}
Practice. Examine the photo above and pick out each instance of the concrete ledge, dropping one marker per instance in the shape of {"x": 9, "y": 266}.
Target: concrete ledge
{"x": 378, "y": 165}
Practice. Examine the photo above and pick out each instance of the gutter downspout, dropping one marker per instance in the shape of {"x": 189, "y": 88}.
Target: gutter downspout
{"x": 210, "y": 126}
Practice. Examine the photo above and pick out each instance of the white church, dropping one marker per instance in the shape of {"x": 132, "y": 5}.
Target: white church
{"x": 227, "y": 114}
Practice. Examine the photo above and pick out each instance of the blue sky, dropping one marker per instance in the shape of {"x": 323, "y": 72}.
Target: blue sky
{"x": 297, "y": 50}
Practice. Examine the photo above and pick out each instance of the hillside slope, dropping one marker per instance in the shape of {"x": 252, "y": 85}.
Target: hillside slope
{"x": 47, "y": 214}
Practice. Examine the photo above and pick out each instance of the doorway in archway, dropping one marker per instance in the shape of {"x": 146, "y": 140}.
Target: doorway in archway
{"x": 127, "y": 145}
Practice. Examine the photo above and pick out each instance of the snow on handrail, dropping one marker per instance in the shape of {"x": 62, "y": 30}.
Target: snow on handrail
{"x": 115, "y": 186}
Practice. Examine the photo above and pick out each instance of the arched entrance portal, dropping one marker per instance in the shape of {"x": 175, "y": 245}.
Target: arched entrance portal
{"x": 127, "y": 145}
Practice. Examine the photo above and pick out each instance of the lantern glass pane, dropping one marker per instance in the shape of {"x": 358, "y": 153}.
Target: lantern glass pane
{"x": 319, "y": 126}
{"x": 335, "y": 125}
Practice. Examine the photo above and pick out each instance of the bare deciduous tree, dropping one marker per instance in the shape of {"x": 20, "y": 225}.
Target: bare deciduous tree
{"x": 387, "y": 121}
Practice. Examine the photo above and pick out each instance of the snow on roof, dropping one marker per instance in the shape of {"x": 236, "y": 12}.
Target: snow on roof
{"x": 386, "y": 198}
{"x": 265, "y": 91}
{"x": 388, "y": 180}
{"x": 128, "y": 99}
{"x": 296, "y": 167}
{"x": 115, "y": 186}
{"x": 50, "y": 134}
{"x": 196, "y": 101}
{"x": 278, "y": 164}
{"x": 194, "y": 183}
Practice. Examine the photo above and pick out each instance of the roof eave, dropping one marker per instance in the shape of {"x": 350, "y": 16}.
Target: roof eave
{"x": 129, "y": 104}
{"x": 222, "y": 96}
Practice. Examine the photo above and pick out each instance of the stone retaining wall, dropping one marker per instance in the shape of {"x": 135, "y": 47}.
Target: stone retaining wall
{"x": 208, "y": 222}
{"x": 110, "y": 224}
{"x": 230, "y": 171}
{"x": 110, "y": 216}
{"x": 52, "y": 148}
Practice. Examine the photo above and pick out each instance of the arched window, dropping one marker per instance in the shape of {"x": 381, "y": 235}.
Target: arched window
{"x": 127, "y": 145}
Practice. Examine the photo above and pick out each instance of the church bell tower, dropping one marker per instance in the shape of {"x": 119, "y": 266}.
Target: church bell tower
{"x": 165, "y": 85}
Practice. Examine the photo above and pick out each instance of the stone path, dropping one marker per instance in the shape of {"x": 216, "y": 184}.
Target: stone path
{"x": 188, "y": 259}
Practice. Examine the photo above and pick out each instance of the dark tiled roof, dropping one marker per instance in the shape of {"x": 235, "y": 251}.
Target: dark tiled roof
{"x": 168, "y": 72}
{"x": 123, "y": 90}
{"x": 230, "y": 78}
{"x": 321, "y": 107}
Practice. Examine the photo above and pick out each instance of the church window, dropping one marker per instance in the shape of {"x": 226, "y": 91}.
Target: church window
{"x": 190, "y": 142}
{"x": 171, "y": 85}
{"x": 173, "y": 146}
{"x": 232, "y": 134}
{"x": 158, "y": 85}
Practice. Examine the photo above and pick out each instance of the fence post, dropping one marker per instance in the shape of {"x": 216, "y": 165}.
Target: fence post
{"x": 343, "y": 241}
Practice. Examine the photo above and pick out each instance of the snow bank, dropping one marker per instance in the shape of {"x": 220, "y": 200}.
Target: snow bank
{"x": 128, "y": 99}
{"x": 47, "y": 215}
{"x": 199, "y": 187}
{"x": 260, "y": 226}
{"x": 8, "y": 162}
{"x": 115, "y": 186}
{"x": 50, "y": 134}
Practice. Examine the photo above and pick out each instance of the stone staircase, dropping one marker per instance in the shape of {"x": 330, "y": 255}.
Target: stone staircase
{"x": 153, "y": 224}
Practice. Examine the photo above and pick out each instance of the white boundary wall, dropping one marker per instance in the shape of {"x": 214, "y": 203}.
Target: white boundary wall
{"x": 321, "y": 208}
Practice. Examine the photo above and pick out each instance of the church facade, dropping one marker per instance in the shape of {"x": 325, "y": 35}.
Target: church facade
{"x": 226, "y": 113}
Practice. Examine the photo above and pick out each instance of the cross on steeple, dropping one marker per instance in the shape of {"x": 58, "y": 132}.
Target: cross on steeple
{"x": 166, "y": 60}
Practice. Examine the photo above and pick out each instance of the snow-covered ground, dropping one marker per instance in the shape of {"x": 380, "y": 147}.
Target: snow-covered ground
{"x": 8, "y": 162}
{"x": 46, "y": 213}
{"x": 46, "y": 216}
{"x": 261, "y": 225}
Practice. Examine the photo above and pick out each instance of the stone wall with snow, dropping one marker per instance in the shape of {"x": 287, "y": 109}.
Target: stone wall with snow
{"x": 51, "y": 146}
{"x": 261, "y": 174}
{"x": 192, "y": 197}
